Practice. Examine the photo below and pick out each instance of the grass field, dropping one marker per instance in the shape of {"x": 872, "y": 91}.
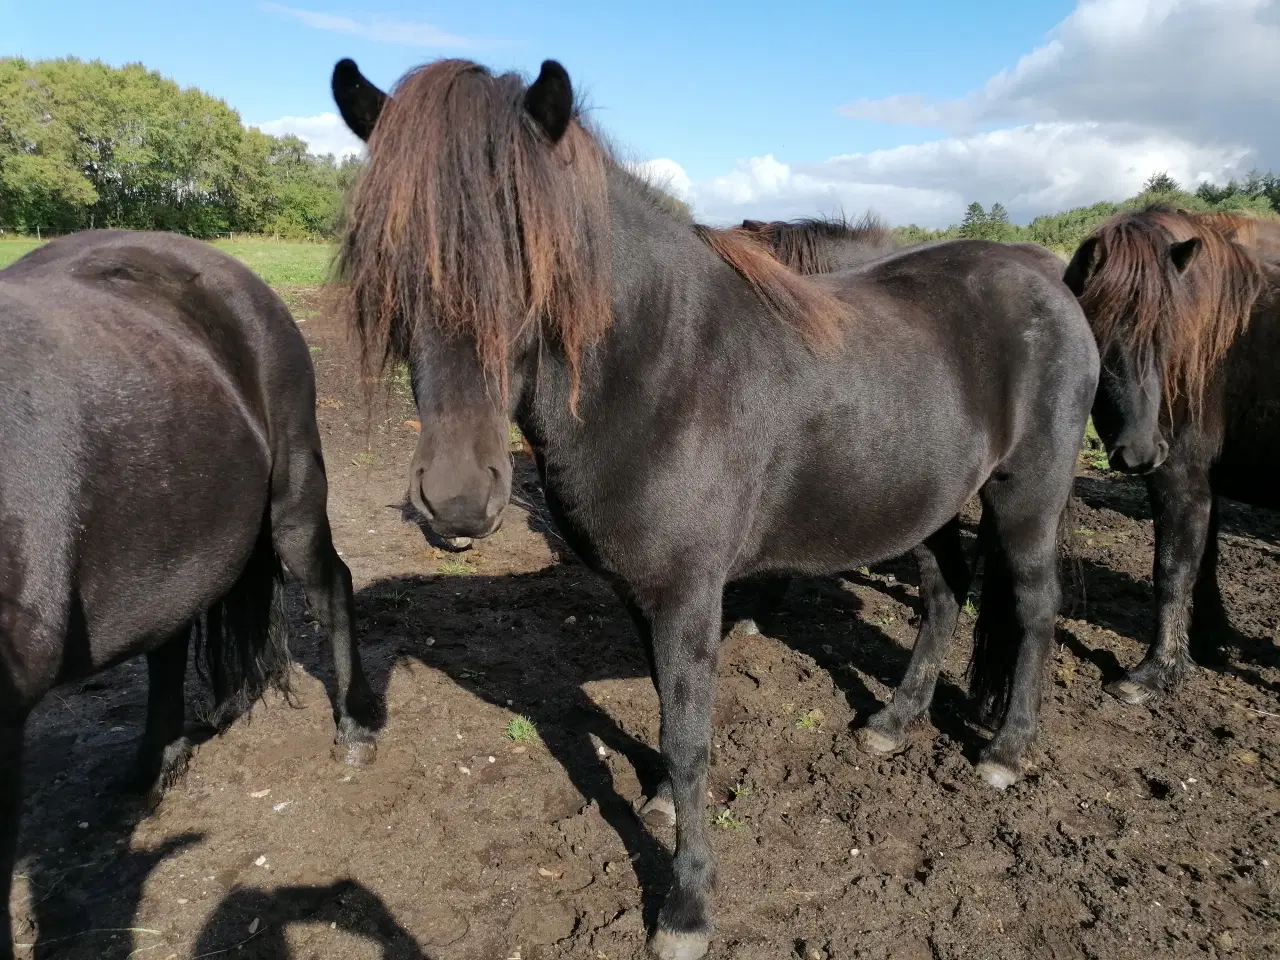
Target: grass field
{"x": 281, "y": 264}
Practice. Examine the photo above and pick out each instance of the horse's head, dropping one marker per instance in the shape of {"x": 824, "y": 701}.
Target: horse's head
{"x": 474, "y": 234}
{"x": 1125, "y": 275}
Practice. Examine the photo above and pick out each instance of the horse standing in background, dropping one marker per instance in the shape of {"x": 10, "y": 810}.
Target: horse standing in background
{"x": 159, "y": 459}
{"x": 1186, "y": 311}
{"x": 702, "y": 414}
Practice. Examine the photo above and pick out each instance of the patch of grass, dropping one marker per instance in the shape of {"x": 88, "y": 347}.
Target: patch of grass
{"x": 1093, "y": 453}
{"x": 11, "y": 250}
{"x": 514, "y": 436}
{"x": 725, "y": 820}
{"x": 363, "y": 459}
{"x": 742, "y": 789}
{"x": 454, "y": 568}
{"x": 283, "y": 264}
{"x": 970, "y": 608}
{"x": 521, "y": 730}
{"x": 810, "y": 720}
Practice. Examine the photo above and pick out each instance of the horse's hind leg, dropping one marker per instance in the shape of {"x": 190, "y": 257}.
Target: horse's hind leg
{"x": 165, "y": 750}
{"x": 944, "y": 583}
{"x": 1182, "y": 505}
{"x": 10, "y": 810}
{"x": 304, "y": 542}
{"x": 1020, "y": 600}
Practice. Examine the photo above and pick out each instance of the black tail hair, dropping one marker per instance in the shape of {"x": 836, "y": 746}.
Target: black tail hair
{"x": 241, "y": 643}
{"x": 996, "y": 635}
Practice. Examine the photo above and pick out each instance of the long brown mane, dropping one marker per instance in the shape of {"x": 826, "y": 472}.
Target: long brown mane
{"x": 1136, "y": 296}
{"x": 798, "y": 300}
{"x": 804, "y": 245}
{"x": 466, "y": 218}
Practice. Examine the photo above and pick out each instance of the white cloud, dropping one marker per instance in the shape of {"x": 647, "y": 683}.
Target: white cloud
{"x": 378, "y": 29}
{"x": 1031, "y": 169}
{"x": 1202, "y": 69}
{"x": 1120, "y": 90}
{"x": 324, "y": 133}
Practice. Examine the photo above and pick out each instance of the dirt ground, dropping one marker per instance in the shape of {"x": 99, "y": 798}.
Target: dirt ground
{"x": 1141, "y": 831}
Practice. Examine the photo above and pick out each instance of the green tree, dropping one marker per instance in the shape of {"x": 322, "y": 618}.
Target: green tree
{"x": 974, "y": 225}
{"x": 999, "y": 226}
{"x": 1160, "y": 183}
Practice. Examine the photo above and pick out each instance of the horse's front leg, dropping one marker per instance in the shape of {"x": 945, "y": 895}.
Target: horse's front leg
{"x": 1181, "y": 505}
{"x": 684, "y": 627}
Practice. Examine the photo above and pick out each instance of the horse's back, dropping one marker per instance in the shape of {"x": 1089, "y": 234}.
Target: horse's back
{"x": 138, "y": 374}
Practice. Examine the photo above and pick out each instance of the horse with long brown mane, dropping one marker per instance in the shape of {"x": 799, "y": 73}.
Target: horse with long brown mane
{"x": 772, "y": 422}
{"x": 812, "y": 245}
{"x": 159, "y": 461}
{"x": 1188, "y": 323}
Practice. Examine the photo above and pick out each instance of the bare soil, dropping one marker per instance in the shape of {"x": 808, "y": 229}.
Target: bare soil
{"x": 1141, "y": 831}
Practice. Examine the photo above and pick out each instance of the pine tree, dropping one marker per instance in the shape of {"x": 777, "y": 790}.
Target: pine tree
{"x": 974, "y": 225}
{"x": 1160, "y": 183}
{"x": 999, "y": 227}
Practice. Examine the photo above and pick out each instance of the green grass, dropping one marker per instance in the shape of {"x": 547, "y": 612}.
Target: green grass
{"x": 281, "y": 264}
{"x": 521, "y": 730}
{"x": 11, "y": 250}
{"x": 725, "y": 820}
{"x": 810, "y": 720}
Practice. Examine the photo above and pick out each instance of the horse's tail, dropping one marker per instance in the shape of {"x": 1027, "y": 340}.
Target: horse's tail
{"x": 997, "y": 636}
{"x": 241, "y": 643}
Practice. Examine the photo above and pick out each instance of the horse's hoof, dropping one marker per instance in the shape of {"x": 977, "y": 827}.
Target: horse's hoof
{"x": 356, "y": 753}
{"x": 659, "y": 811}
{"x": 881, "y": 744}
{"x": 997, "y": 774}
{"x": 1127, "y": 691}
{"x": 666, "y": 945}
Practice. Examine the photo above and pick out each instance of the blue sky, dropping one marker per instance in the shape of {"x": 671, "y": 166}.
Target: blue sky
{"x": 911, "y": 108}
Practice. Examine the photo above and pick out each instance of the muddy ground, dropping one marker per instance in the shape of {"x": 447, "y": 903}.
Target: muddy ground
{"x": 1142, "y": 831}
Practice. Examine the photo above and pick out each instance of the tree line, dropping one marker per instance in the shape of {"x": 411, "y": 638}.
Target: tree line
{"x": 84, "y": 144}
{"x": 1258, "y": 194}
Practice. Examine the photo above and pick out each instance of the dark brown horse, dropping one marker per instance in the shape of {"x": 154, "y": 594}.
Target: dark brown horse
{"x": 159, "y": 460}
{"x": 1187, "y": 320}
{"x": 700, "y": 413}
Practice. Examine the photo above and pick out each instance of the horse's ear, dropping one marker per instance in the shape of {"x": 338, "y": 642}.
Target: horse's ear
{"x": 1081, "y": 265}
{"x": 549, "y": 100}
{"x": 1183, "y": 252}
{"x": 358, "y": 100}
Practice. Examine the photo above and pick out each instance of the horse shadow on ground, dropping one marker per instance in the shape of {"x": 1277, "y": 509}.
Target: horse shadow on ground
{"x": 251, "y": 924}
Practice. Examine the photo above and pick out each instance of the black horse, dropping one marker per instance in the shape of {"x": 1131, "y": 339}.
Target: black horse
{"x": 159, "y": 458}
{"x": 700, "y": 413}
{"x": 1188, "y": 323}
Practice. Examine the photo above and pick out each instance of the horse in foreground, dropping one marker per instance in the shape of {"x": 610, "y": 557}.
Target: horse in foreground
{"x": 702, "y": 414}
{"x": 159, "y": 459}
{"x": 1186, "y": 308}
